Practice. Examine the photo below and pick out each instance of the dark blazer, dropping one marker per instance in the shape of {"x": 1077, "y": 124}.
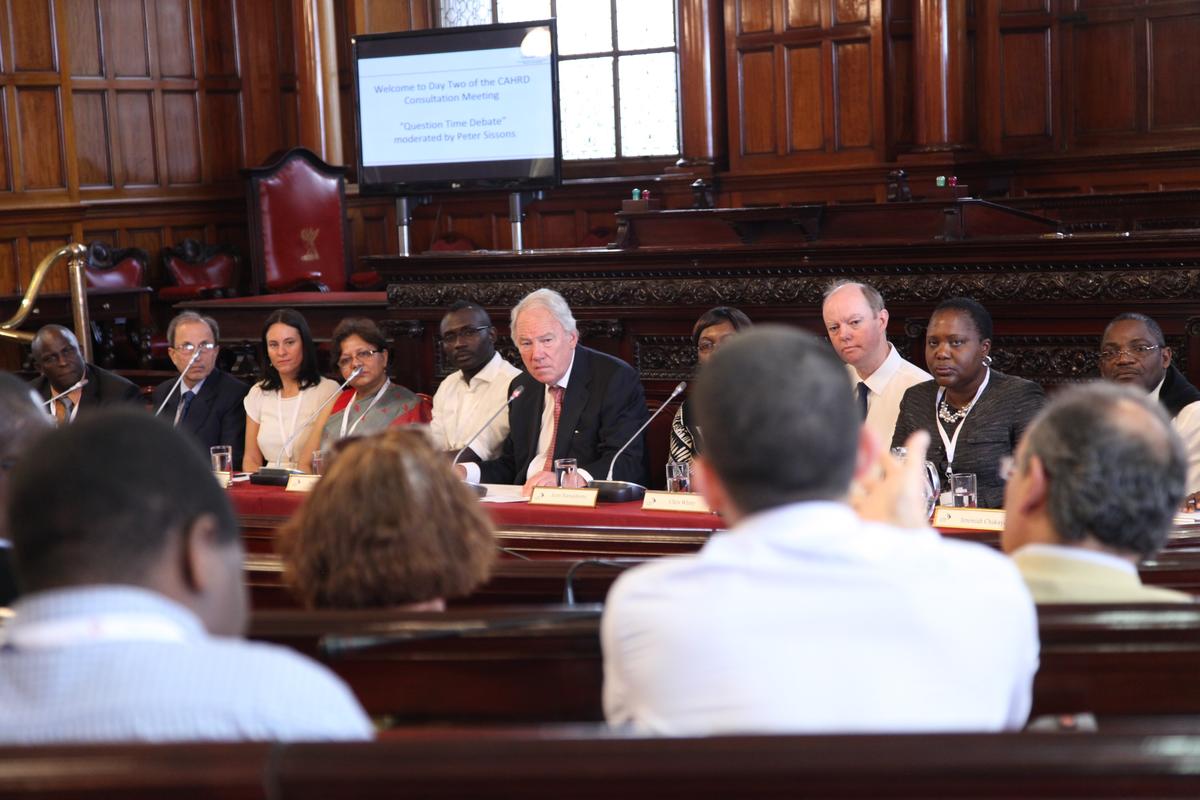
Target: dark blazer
{"x": 103, "y": 389}
{"x": 602, "y": 407}
{"x": 990, "y": 431}
{"x": 216, "y": 415}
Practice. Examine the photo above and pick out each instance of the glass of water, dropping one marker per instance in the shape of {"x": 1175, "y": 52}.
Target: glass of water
{"x": 566, "y": 473}
{"x": 963, "y": 490}
{"x": 222, "y": 458}
{"x": 679, "y": 476}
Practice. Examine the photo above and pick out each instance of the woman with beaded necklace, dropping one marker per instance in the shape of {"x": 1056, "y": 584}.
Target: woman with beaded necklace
{"x": 975, "y": 415}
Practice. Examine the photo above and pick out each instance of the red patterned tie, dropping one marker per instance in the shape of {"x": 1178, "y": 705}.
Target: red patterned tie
{"x": 556, "y": 392}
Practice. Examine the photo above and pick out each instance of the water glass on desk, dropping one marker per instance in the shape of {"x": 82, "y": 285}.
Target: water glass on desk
{"x": 222, "y": 458}
{"x": 319, "y": 457}
{"x": 566, "y": 473}
{"x": 679, "y": 476}
{"x": 963, "y": 490}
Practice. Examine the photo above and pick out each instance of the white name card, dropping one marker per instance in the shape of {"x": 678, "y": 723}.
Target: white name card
{"x": 223, "y": 478}
{"x": 675, "y": 501}
{"x": 969, "y": 519}
{"x": 554, "y": 496}
{"x": 302, "y": 483}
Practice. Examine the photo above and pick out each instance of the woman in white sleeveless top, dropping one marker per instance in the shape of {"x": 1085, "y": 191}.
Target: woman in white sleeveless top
{"x": 291, "y": 390}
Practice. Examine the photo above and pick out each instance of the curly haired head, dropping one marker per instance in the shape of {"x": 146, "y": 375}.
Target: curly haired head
{"x": 389, "y": 524}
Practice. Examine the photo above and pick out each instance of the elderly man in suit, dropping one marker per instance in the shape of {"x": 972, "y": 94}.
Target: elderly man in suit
{"x": 1095, "y": 484}
{"x": 575, "y": 403}
{"x": 58, "y": 358}
{"x": 208, "y": 402}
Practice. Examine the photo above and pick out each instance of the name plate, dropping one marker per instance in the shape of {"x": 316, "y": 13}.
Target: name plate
{"x": 675, "y": 501}
{"x": 223, "y": 478}
{"x": 302, "y": 483}
{"x": 969, "y": 519}
{"x": 554, "y": 496}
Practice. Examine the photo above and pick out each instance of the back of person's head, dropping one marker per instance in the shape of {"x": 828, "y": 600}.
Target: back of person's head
{"x": 1116, "y": 469}
{"x": 22, "y": 421}
{"x": 389, "y": 524}
{"x": 776, "y": 419}
{"x": 101, "y": 502}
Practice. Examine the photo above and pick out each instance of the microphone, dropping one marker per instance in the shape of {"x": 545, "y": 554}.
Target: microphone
{"x": 624, "y": 491}
{"x": 178, "y": 380}
{"x": 55, "y": 397}
{"x": 515, "y": 394}
{"x": 278, "y": 476}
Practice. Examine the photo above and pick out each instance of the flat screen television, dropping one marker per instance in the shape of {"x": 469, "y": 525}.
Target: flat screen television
{"x": 458, "y": 109}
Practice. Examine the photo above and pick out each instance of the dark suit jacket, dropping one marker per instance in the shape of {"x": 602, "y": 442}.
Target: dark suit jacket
{"x": 602, "y": 407}
{"x": 990, "y": 431}
{"x": 216, "y": 415}
{"x": 103, "y": 389}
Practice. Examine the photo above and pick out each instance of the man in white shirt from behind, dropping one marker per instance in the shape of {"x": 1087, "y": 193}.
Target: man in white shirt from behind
{"x": 466, "y": 398}
{"x": 805, "y": 617}
{"x": 856, "y": 322}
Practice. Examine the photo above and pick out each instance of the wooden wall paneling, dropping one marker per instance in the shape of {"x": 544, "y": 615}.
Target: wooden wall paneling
{"x": 92, "y": 139}
{"x": 126, "y": 40}
{"x": 9, "y": 280}
{"x": 899, "y": 81}
{"x": 219, "y": 25}
{"x": 757, "y": 101}
{"x": 38, "y": 247}
{"x": 758, "y": 16}
{"x": 1026, "y": 78}
{"x": 258, "y": 36}
{"x": 40, "y": 124}
{"x": 805, "y": 97}
{"x": 289, "y": 109}
{"x": 83, "y": 37}
{"x": 1174, "y": 86}
{"x": 223, "y": 144}
{"x": 803, "y": 14}
{"x": 1103, "y": 78}
{"x": 181, "y": 129}
{"x": 135, "y": 135}
{"x": 557, "y": 229}
{"x": 34, "y": 45}
{"x": 175, "y": 38}
{"x": 382, "y": 16}
{"x": 851, "y": 12}
{"x": 853, "y": 94}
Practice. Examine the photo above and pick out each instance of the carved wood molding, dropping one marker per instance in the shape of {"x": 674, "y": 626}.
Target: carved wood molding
{"x": 749, "y": 286}
{"x": 665, "y": 357}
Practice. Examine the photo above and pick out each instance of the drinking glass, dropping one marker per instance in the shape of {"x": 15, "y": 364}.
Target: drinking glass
{"x": 566, "y": 473}
{"x": 319, "y": 458}
{"x": 679, "y": 476}
{"x": 963, "y": 490}
{"x": 933, "y": 484}
{"x": 222, "y": 458}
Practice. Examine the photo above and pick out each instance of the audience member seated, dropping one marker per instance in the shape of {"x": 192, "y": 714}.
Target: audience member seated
{"x": 388, "y": 525}
{"x": 57, "y": 356}
{"x": 576, "y": 403}
{"x": 1134, "y": 351}
{"x": 280, "y": 408}
{"x": 208, "y": 403}
{"x": 371, "y": 403}
{"x": 466, "y": 398}
{"x": 710, "y": 331}
{"x": 22, "y": 420}
{"x": 804, "y": 617}
{"x": 857, "y": 325}
{"x": 974, "y": 414}
{"x": 130, "y": 559}
{"x": 1093, "y": 491}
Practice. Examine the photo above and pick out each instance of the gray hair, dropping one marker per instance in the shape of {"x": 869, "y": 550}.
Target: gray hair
{"x": 1116, "y": 468}
{"x": 870, "y": 294}
{"x": 789, "y": 432}
{"x": 192, "y": 316}
{"x": 550, "y": 300}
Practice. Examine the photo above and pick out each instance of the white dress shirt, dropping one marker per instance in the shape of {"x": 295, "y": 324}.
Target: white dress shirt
{"x": 1187, "y": 425}
{"x": 461, "y": 406}
{"x": 886, "y": 387}
{"x": 804, "y": 619}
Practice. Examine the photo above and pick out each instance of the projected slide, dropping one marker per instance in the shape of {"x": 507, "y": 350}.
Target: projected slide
{"x": 451, "y": 107}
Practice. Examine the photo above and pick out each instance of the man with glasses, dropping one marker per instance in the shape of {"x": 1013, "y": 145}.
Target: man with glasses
{"x": 466, "y": 398}
{"x": 57, "y": 356}
{"x": 1134, "y": 351}
{"x": 208, "y": 401}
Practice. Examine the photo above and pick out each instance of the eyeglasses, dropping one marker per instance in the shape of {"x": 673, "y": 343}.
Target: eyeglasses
{"x": 189, "y": 348}
{"x": 361, "y": 355}
{"x": 1137, "y": 351}
{"x": 466, "y": 334}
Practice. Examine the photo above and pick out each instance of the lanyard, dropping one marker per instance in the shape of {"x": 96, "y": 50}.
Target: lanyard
{"x": 951, "y": 444}
{"x": 93, "y": 629}
{"x": 350, "y": 405}
{"x": 286, "y": 435}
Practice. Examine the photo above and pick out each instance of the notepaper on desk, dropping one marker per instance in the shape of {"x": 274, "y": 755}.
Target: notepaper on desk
{"x": 503, "y": 493}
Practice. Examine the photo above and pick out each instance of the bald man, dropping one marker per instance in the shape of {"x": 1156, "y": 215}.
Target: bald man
{"x": 57, "y": 356}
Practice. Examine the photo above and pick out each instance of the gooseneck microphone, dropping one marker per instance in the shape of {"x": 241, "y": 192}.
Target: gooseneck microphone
{"x": 54, "y": 398}
{"x": 278, "y": 476}
{"x": 178, "y": 380}
{"x": 515, "y": 394}
{"x": 624, "y": 491}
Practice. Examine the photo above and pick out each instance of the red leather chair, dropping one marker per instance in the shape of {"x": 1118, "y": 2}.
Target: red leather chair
{"x": 199, "y": 271}
{"x": 297, "y": 206}
{"x": 107, "y": 268}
